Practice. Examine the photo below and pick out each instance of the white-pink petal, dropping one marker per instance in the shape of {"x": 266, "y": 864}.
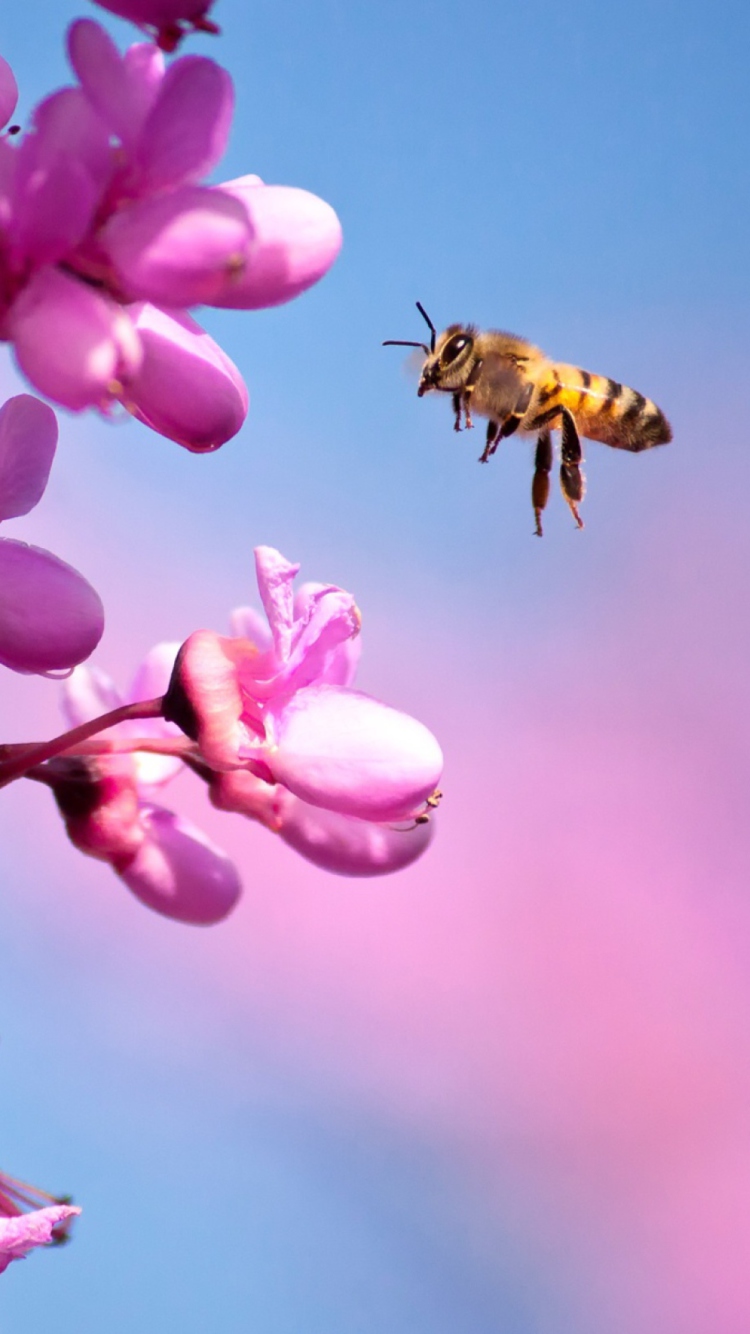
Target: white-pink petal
{"x": 345, "y": 751}
{"x": 348, "y": 846}
{"x": 28, "y": 438}
{"x": 186, "y": 388}
{"x": 275, "y": 575}
{"x": 180, "y": 873}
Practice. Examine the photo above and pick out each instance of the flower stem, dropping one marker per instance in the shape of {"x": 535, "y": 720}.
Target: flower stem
{"x": 16, "y": 759}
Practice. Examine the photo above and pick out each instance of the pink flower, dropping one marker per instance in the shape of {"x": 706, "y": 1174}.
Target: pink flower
{"x": 48, "y": 1219}
{"x": 108, "y": 804}
{"x": 21, "y": 1234}
{"x": 169, "y": 20}
{"x": 50, "y": 617}
{"x": 280, "y": 704}
{"x": 8, "y": 92}
{"x": 101, "y": 206}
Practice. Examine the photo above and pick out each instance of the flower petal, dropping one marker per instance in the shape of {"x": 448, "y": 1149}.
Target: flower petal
{"x": 347, "y": 752}
{"x": 186, "y": 131}
{"x": 177, "y": 249}
{"x": 275, "y": 575}
{"x": 187, "y": 388}
{"x": 340, "y": 666}
{"x": 122, "y": 100}
{"x": 50, "y": 617}
{"x": 87, "y": 693}
{"x": 157, "y": 13}
{"x": 28, "y": 438}
{"x": 75, "y": 345}
{"x": 21, "y": 1234}
{"x": 247, "y": 623}
{"x": 347, "y": 846}
{"x": 180, "y": 873}
{"x": 297, "y": 236}
{"x": 8, "y": 92}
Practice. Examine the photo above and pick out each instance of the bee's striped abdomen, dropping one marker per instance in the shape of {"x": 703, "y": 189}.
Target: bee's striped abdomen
{"x": 601, "y": 408}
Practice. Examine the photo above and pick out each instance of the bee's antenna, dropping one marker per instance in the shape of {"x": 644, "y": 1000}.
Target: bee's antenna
{"x": 430, "y": 325}
{"x": 399, "y": 342}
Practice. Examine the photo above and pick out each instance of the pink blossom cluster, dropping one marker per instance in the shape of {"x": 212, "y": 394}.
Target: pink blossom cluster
{"x": 29, "y": 1218}
{"x": 269, "y": 720}
{"x": 108, "y": 238}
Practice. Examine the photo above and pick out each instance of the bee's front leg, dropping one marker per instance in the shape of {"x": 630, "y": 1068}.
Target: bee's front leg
{"x": 572, "y": 480}
{"x": 469, "y": 388}
{"x": 457, "y": 411}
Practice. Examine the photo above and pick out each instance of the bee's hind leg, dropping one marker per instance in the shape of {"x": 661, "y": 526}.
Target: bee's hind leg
{"x": 572, "y": 480}
{"x": 493, "y": 440}
{"x": 540, "y": 484}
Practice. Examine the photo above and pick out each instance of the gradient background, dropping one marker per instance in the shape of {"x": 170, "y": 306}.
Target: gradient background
{"x": 508, "y": 1089}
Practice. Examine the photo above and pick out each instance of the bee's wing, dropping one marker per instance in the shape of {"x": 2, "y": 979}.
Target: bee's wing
{"x": 503, "y": 379}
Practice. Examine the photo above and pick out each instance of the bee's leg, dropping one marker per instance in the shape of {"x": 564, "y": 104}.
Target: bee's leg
{"x": 571, "y": 477}
{"x": 457, "y": 411}
{"x": 540, "y": 484}
{"x": 493, "y": 437}
{"x": 469, "y": 388}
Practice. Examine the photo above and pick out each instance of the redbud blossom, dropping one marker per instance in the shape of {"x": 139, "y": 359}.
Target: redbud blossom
{"x": 169, "y": 20}
{"x": 50, "y": 617}
{"x": 109, "y": 812}
{"x": 282, "y": 714}
{"x": 21, "y": 1233}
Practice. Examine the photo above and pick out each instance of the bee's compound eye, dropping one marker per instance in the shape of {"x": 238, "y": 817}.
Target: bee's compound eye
{"x": 452, "y": 349}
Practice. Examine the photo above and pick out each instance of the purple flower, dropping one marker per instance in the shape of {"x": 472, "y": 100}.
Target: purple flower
{"x": 108, "y": 805}
{"x": 47, "y": 1219}
{"x": 101, "y": 206}
{"x": 278, "y": 702}
{"x": 50, "y": 617}
{"x": 20, "y": 1234}
{"x": 168, "y": 20}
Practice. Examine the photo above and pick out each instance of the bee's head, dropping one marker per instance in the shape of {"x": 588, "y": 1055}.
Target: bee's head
{"x": 447, "y": 359}
{"x": 450, "y": 360}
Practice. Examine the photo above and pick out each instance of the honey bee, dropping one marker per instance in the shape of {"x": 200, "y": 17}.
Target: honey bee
{"x": 518, "y": 388}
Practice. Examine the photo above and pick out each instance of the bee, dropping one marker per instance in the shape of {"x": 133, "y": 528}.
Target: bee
{"x": 513, "y": 384}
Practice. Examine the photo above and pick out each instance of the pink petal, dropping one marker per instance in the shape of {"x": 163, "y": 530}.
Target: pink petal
{"x": 186, "y": 132}
{"x": 243, "y": 794}
{"x": 8, "y": 92}
{"x": 247, "y": 623}
{"x": 28, "y": 438}
{"x": 297, "y": 238}
{"x": 340, "y": 666}
{"x": 87, "y": 693}
{"x": 50, "y": 617}
{"x": 21, "y": 1234}
{"x": 187, "y": 388}
{"x": 275, "y": 575}
{"x": 177, "y": 249}
{"x": 330, "y": 619}
{"x": 180, "y": 873}
{"x": 75, "y": 345}
{"x": 347, "y": 752}
{"x": 104, "y": 78}
{"x": 347, "y": 846}
{"x": 154, "y": 673}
